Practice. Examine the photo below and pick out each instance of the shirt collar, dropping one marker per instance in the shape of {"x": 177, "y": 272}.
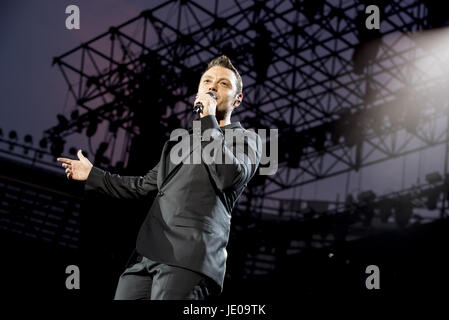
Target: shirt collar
{"x": 233, "y": 125}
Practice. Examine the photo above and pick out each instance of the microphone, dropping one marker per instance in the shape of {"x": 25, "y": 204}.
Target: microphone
{"x": 198, "y": 108}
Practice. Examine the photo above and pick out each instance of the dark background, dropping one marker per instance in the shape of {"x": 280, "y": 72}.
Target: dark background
{"x": 275, "y": 254}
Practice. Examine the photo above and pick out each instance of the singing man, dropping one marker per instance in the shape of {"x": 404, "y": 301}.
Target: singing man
{"x": 182, "y": 242}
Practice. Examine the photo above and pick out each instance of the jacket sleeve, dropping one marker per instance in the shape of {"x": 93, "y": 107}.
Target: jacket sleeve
{"x": 121, "y": 187}
{"x": 232, "y": 157}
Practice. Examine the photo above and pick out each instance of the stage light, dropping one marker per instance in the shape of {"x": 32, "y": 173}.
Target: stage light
{"x": 366, "y": 196}
{"x": 63, "y": 122}
{"x": 92, "y": 127}
{"x": 349, "y": 201}
{"x": 13, "y": 135}
{"x": 348, "y": 127}
{"x": 318, "y": 137}
{"x": 57, "y": 146}
{"x": 43, "y": 143}
{"x": 319, "y": 207}
{"x": 367, "y": 215}
{"x": 28, "y": 139}
{"x": 366, "y": 199}
{"x": 434, "y": 177}
{"x": 432, "y": 199}
{"x": 100, "y": 159}
{"x": 290, "y": 148}
{"x": 289, "y": 205}
{"x": 385, "y": 210}
{"x": 403, "y": 211}
{"x": 336, "y": 133}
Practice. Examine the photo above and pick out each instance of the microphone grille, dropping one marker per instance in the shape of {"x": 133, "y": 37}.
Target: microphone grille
{"x": 212, "y": 95}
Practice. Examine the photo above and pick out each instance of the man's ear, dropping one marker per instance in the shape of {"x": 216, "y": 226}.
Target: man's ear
{"x": 238, "y": 100}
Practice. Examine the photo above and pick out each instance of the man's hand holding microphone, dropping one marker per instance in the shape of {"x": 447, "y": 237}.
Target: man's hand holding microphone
{"x": 205, "y": 104}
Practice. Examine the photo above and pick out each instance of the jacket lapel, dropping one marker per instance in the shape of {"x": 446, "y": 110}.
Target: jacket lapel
{"x": 163, "y": 176}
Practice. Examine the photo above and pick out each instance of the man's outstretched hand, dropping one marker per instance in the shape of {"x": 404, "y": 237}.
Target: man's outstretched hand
{"x": 77, "y": 169}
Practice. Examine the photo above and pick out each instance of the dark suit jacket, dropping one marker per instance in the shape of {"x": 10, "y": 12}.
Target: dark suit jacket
{"x": 189, "y": 221}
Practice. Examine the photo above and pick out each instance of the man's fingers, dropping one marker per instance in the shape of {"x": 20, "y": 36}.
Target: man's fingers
{"x": 64, "y": 160}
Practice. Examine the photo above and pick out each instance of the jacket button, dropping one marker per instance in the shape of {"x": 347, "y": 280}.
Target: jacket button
{"x": 160, "y": 193}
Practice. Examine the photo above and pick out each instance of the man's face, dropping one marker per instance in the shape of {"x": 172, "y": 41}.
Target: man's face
{"x": 223, "y": 83}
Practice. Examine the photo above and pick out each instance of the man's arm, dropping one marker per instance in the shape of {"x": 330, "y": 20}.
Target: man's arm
{"x": 121, "y": 187}
{"x": 232, "y": 164}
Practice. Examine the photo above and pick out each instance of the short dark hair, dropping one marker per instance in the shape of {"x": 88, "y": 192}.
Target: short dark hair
{"x": 225, "y": 62}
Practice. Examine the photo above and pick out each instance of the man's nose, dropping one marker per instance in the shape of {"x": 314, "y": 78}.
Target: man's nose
{"x": 212, "y": 87}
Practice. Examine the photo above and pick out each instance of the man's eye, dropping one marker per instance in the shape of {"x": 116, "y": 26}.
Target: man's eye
{"x": 224, "y": 83}
{"x": 206, "y": 81}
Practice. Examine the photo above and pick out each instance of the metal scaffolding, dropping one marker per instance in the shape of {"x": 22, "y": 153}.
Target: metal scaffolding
{"x": 342, "y": 97}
